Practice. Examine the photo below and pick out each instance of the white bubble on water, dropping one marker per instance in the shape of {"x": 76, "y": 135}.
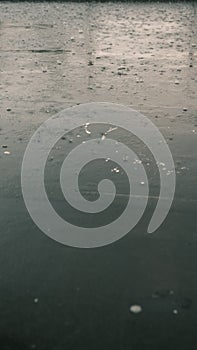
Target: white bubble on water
{"x": 135, "y": 309}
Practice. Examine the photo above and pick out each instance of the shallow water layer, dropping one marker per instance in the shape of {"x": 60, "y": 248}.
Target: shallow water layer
{"x": 56, "y": 55}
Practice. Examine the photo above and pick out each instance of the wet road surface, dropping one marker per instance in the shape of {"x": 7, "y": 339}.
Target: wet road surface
{"x": 140, "y": 292}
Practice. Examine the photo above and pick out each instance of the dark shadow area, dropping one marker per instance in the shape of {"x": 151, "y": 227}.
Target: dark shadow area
{"x": 9, "y": 343}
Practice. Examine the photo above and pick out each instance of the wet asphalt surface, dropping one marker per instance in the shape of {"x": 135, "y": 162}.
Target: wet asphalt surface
{"x": 53, "y": 56}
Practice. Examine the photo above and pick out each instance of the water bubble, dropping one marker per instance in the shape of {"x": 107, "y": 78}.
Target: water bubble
{"x": 86, "y": 129}
{"x": 161, "y": 164}
{"x": 136, "y": 309}
{"x": 137, "y": 161}
{"x": 175, "y": 312}
{"x": 116, "y": 170}
{"x": 107, "y": 159}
